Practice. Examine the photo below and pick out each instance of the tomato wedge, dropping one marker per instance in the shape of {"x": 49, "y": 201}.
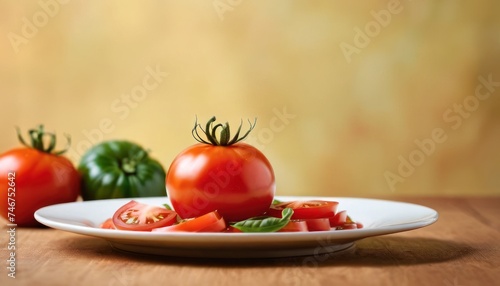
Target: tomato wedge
{"x": 295, "y": 226}
{"x": 339, "y": 219}
{"x": 305, "y": 209}
{"x": 348, "y": 222}
{"x": 143, "y": 217}
{"x": 210, "y": 222}
{"x": 318, "y": 224}
{"x": 108, "y": 224}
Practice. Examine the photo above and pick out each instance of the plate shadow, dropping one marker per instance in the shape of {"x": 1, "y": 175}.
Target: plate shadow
{"x": 374, "y": 251}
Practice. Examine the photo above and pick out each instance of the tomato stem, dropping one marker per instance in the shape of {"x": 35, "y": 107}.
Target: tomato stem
{"x": 129, "y": 165}
{"x": 37, "y": 137}
{"x": 224, "y": 139}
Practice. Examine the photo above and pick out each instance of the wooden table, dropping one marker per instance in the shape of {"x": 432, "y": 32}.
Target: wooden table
{"x": 462, "y": 248}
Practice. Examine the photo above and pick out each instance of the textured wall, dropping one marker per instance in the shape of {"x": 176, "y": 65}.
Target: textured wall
{"x": 352, "y": 99}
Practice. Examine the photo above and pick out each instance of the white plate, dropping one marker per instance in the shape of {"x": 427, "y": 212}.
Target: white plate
{"x": 377, "y": 216}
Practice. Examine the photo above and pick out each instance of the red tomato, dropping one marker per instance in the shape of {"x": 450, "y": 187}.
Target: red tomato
{"x": 210, "y": 222}
{"x": 142, "y": 217}
{"x": 108, "y": 224}
{"x": 32, "y": 178}
{"x": 305, "y": 209}
{"x": 318, "y": 224}
{"x": 233, "y": 178}
{"x": 232, "y": 229}
{"x": 338, "y": 219}
{"x": 295, "y": 226}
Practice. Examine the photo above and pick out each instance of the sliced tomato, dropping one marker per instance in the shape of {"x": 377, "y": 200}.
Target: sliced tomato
{"x": 305, "y": 209}
{"x": 143, "y": 217}
{"x": 294, "y": 226}
{"x": 108, "y": 224}
{"x": 318, "y": 224}
{"x": 210, "y": 222}
{"x": 339, "y": 219}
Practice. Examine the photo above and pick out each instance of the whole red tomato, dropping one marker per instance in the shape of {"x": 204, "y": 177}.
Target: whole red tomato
{"x": 35, "y": 177}
{"x": 223, "y": 175}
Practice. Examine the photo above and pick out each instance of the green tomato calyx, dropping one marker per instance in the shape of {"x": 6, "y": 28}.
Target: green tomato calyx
{"x": 129, "y": 165}
{"x": 224, "y": 139}
{"x": 38, "y": 136}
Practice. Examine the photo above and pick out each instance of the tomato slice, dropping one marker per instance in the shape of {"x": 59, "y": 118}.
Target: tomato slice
{"x": 339, "y": 219}
{"x": 108, "y": 224}
{"x": 306, "y": 209}
{"x": 143, "y": 217}
{"x": 318, "y": 224}
{"x": 295, "y": 226}
{"x": 210, "y": 222}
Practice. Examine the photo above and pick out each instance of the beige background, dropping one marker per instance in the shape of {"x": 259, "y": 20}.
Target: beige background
{"x": 358, "y": 84}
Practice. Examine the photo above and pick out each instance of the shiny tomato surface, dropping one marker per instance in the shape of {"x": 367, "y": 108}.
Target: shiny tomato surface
{"x": 295, "y": 226}
{"x": 318, "y": 224}
{"x": 31, "y": 179}
{"x": 236, "y": 180}
{"x": 210, "y": 222}
{"x": 339, "y": 219}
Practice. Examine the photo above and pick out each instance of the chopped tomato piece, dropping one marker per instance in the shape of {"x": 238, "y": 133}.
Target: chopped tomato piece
{"x": 232, "y": 229}
{"x": 318, "y": 224}
{"x": 305, "y": 209}
{"x": 294, "y": 226}
{"x": 350, "y": 224}
{"x": 338, "y": 219}
{"x": 108, "y": 224}
{"x": 210, "y": 222}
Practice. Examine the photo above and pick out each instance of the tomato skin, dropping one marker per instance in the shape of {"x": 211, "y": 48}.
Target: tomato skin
{"x": 233, "y": 229}
{"x": 343, "y": 221}
{"x": 339, "y": 219}
{"x": 237, "y": 180}
{"x": 108, "y": 224}
{"x": 305, "y": 209}
{"x": 148, "y": 217}
{"x": 120, "y": 169}
{"x": 41, "y": 179}
{"x": 318, "y": 224}
{"x": 295, "y": 226}
{"x": 210, "y": 222}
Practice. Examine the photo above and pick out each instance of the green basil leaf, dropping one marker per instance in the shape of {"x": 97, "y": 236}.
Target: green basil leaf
{"x": 266, "y": 224}
{"x": 275, "y": 202}
{"x": 167, "y": 206}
